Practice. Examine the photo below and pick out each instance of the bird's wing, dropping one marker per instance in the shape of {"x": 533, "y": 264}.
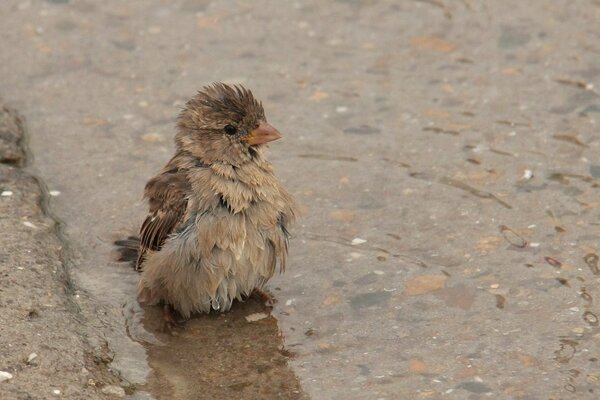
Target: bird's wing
{"x": 167, "y": 195}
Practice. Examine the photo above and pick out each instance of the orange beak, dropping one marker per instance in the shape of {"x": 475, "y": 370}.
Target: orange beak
{"x": 264, "y": 133}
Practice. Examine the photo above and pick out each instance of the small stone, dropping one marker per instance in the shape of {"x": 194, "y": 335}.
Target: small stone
{"x": 5, "y": 376}
{"x": 6, "y": 193}
{"x": 378, "y": 272}
{"x": 341, "y": 109}
{"x": 578, "y": 331}
{"x": 29, "y": 224}
{"x": 143, "y": 103}
{"x": 356, "y": 241}
{"x": 113, "y": 390}
{"x": 54, "y": 193}
{"x": 256, "y": 317}
{"x": 31, "y": 357}
{"x": 527, "y": 174}
{"x": 56, "y": 392}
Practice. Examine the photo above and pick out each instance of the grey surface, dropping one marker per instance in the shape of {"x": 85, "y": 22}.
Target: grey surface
{"x": 42, "y": 347}
{"x": 412, "y": 125}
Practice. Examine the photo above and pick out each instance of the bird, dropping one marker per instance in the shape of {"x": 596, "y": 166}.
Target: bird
{"x": 218, "y": 223}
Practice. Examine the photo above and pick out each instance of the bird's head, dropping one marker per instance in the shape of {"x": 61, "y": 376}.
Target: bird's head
{"x": 224, "y": 123}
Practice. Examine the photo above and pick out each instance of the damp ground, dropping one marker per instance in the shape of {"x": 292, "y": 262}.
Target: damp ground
{"x": 445, "y": 155}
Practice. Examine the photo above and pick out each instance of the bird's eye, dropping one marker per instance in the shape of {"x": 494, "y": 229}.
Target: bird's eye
{"x": 230, "y": 129}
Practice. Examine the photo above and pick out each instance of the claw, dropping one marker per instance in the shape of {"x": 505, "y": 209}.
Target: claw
{"x": 265, "y": 297}
{"x": 170, "y": 320}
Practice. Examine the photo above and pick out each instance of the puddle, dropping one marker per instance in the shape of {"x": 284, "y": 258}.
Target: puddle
{"x": 220, "y": 356}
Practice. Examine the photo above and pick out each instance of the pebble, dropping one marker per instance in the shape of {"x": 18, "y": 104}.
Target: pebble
{"x": 341, "y": 109}
{"x": 56, "y": 392}
{"x": 356, "y": 241}
{"x": 114, "y": 390}
{"x": 578, "y": 331}
{"x": 31, "y": 357}
{"x": 527, "y": 174}
{"x": 54, "y": 193}
{"x": 28, "y": 224}
{"x": 6, "y": 193}
{"x": 256, "y": 317}
{"x": 4, "y": 376}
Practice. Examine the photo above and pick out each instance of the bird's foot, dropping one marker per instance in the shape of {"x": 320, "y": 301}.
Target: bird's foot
{"x": 264, "y": 297}
{"x": 170, "y": 319}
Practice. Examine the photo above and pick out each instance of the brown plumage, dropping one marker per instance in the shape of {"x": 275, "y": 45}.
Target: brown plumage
{"x": 218, "y": 217}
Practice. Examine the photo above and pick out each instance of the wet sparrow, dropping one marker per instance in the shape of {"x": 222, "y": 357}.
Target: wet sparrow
{"x": 218, "y": 222}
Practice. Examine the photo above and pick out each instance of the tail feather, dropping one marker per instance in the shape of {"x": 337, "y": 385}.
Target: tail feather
{"x": 128, "y": 250}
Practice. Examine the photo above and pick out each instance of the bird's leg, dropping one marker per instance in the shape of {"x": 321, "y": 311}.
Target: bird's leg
{"x": 170, "y": 321}
{"x": 264, "y": 296}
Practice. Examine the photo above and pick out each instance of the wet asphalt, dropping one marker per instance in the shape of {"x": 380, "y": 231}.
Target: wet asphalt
{"x": 445, "y": 155}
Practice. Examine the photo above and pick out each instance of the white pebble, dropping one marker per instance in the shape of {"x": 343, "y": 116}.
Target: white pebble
{"x": 114, "y": 390}
{"x": 54, "y": 193}
{"x": 4, "y": 376}
{"x": 256, "y": 317}
{"x": 56, "y": 392}
{"x": 29, "y": 224}
{"x": 535, "y": 244}
{"x": 527, "y": 174}
{"x": 31, "y": 357}
{"x": 341, "y": 109}
{"x": 6, "y": 193}
{"x": 378, "y": 272}
{"x": 289, "y": 302}
{"x": 356, "y": 241}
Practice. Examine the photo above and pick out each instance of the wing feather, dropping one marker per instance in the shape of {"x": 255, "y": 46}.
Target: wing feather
{"x": 167, "y": 195}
